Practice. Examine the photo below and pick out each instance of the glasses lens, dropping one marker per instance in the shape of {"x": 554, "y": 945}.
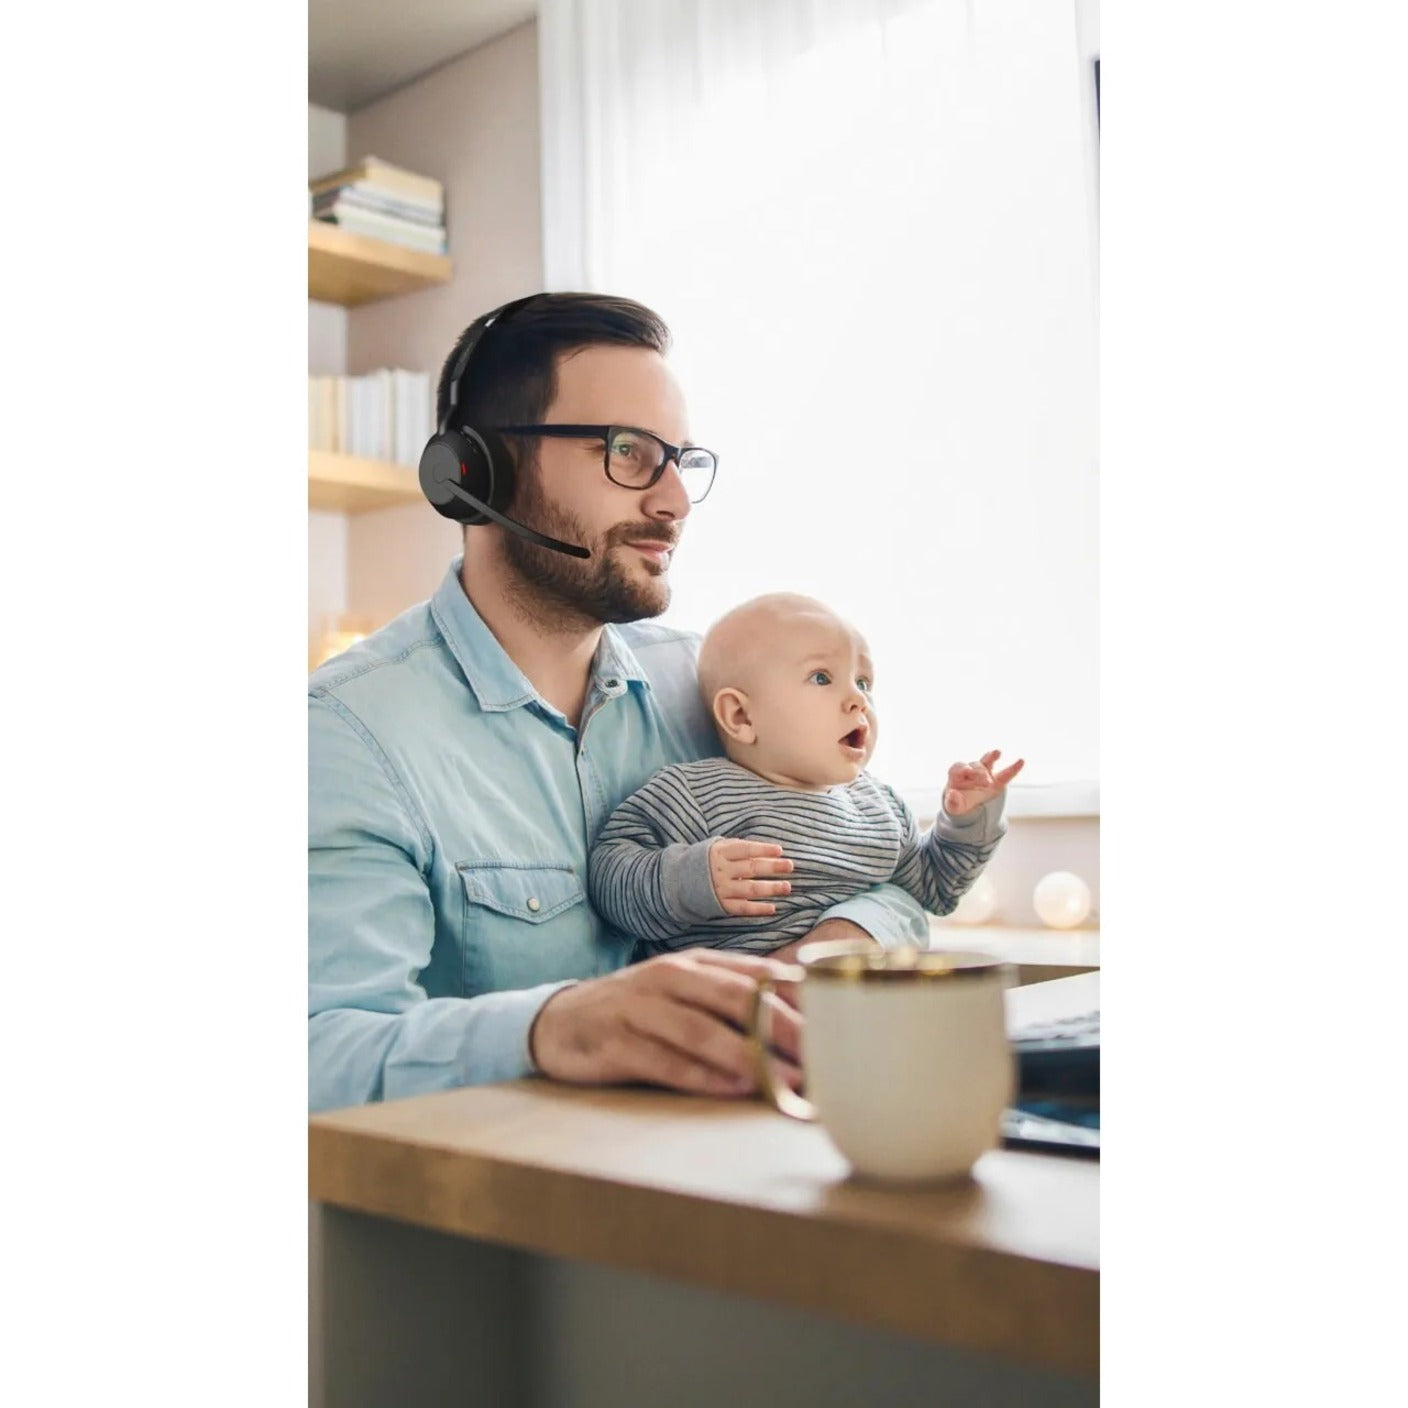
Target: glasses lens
{"x": 633, "y": 458}
{"x": 697, "y": 473}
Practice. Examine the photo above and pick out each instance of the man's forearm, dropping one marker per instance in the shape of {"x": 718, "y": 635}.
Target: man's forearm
{"x": 355, "y": 1056}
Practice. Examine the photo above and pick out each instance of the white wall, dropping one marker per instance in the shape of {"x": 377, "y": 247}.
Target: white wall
{"x": 327, "y": 323}
{"x": 1088, "y": 44}
{"x": 327, "y": 356}
{"x": 1088, "y": 27}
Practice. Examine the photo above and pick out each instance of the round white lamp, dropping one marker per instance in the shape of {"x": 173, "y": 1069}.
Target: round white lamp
{"x": 978, "y": 905}
{"x": 1061, "y": 900}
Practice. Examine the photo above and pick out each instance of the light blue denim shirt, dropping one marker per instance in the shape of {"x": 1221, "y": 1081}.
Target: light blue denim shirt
{"x": 450, "y": 813}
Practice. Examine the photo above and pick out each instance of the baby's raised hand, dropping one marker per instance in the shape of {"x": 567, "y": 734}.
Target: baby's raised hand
{"x": 972, "y": 784}
{"x": 734, "y": 867}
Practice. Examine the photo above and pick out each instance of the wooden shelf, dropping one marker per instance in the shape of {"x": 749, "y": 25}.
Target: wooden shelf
{"x": 347, "y": 484}
{"x": 352, "y": 269}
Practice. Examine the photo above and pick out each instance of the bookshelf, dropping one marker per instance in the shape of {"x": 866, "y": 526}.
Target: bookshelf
{"x": 349, "y": 270}
{"x": 353, "y": 269}
{"x": 347, "y": 484}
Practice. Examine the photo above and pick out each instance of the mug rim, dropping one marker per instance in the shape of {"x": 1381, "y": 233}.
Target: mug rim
{"x": 855, "y": 961}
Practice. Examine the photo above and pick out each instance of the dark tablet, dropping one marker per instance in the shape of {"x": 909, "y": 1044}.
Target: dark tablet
{"x": 1057, "y": 1109}
{"x": 1054, "y": 1125}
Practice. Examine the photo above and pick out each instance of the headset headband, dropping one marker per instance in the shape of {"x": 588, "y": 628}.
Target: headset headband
{"x": 461, "y": 366}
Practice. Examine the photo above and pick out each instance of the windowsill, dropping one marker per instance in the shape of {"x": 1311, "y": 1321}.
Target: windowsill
{"x": 1041, "y": 800}
{"x": 1038, "y": 954}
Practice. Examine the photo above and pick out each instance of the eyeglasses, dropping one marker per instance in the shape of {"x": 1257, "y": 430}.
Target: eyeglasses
{"x": 634, "y": 458}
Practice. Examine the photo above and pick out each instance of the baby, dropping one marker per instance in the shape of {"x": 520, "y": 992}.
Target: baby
{"x": 791, "y": 690}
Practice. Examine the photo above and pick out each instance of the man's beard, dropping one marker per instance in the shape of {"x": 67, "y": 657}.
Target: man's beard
{"x": 593, "y": 590}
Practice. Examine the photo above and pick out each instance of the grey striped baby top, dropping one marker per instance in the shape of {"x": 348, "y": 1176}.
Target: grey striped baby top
{"x": 649, "y": 871}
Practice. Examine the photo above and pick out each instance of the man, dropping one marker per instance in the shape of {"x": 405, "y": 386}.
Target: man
{"x": 462, "y": 759}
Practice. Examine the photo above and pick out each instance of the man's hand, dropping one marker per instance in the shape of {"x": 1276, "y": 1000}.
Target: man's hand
{"x": 972, "y": 784}
{"x": 827, "y": 929}
{"x": 676, "y": 1021}
{"x": 734, "y": 867}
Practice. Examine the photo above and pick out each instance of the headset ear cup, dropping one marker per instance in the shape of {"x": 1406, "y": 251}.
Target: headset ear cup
{"x": 498, "y": 490}
{"x": 440, "y": 470}
{"x": 450, "y": 461}
{"x": 477, "y": 463}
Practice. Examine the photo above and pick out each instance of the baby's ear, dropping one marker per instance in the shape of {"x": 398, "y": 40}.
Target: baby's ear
{"x": 731, "y": 715}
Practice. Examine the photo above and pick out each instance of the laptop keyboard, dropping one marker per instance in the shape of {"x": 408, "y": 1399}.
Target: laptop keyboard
{"x": 1059, "y": 1057}
{"x": 1062, "y": 1034}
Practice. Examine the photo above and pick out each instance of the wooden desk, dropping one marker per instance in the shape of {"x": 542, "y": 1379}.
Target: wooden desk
{"x": 731, "y": 1197}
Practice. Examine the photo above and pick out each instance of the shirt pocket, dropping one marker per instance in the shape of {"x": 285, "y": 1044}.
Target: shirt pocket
{"x": 532, "y": 893}
{"x": 524, "y": 925}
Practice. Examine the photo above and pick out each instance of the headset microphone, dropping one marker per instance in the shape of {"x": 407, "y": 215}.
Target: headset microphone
{"x": 467, "y": 474}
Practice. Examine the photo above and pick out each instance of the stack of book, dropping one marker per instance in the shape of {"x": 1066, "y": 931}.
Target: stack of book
{"x": 377, "y": 199}
{"x": 387, "y": 414}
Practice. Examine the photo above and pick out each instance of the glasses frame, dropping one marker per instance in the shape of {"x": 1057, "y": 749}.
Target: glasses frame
{"x": 605, "y": 433}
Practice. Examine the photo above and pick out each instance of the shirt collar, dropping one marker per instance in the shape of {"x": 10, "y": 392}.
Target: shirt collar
{"x": 498, "y": 684}
{"x": 616, "y": 663}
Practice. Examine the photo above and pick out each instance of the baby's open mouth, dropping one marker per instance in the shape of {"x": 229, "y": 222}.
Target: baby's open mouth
{"x": 855, "y": 738}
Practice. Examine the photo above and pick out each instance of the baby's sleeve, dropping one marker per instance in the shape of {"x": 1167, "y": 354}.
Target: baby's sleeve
{"x": 939, "y": 867}
{"x": 648, "y": 874}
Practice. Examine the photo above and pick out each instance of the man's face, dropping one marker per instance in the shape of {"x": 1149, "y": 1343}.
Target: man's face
{"x": 631, "y": 533}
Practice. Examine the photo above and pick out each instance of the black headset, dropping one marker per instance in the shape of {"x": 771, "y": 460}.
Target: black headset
{"x": 467, "y": 474}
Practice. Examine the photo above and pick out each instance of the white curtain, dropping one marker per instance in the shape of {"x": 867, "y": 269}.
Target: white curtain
{"x": 870, "y": 225}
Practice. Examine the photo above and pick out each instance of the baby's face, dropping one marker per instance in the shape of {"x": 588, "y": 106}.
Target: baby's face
{"x": 811, "y": 702}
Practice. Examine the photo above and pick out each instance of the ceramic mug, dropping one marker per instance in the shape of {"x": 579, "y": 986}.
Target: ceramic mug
{"x": 905, "y": 1055}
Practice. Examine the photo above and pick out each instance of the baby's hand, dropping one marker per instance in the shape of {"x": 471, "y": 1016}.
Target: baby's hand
{"x": 972, "y": 784}
{"x": 734, "y": 866}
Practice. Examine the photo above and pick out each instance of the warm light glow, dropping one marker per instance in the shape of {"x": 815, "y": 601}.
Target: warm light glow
{"x": 338, "y": 633}
{"x": 978, "y": 905}
{"x": 334, "y": 643}
{"x": 1061, "y": 900}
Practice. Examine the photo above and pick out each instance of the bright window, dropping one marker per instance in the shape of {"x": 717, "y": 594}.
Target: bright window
{"x": 875, "y": 244}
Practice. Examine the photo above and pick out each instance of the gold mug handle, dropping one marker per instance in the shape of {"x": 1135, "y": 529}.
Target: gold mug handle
{"x": 782, "y": 1096}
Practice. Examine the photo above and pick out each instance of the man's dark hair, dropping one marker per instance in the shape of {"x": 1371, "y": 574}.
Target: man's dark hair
{"x": 512, "y": 378}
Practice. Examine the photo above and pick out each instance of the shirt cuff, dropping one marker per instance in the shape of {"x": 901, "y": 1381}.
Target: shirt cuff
{"x": 687, "y": 886}
{"x": 496, "y": 1044}
{"x": 977, "y": 827}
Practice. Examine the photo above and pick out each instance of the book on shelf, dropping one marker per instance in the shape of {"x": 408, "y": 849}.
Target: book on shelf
{"x": 429, "y": 240}
{"x": 387, "y": 414}
{"x": 371, "y": 199}
{"x": 372, "y": 171}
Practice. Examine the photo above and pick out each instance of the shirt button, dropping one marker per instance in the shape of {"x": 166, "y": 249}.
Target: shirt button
{"x": 534, "y": 905}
